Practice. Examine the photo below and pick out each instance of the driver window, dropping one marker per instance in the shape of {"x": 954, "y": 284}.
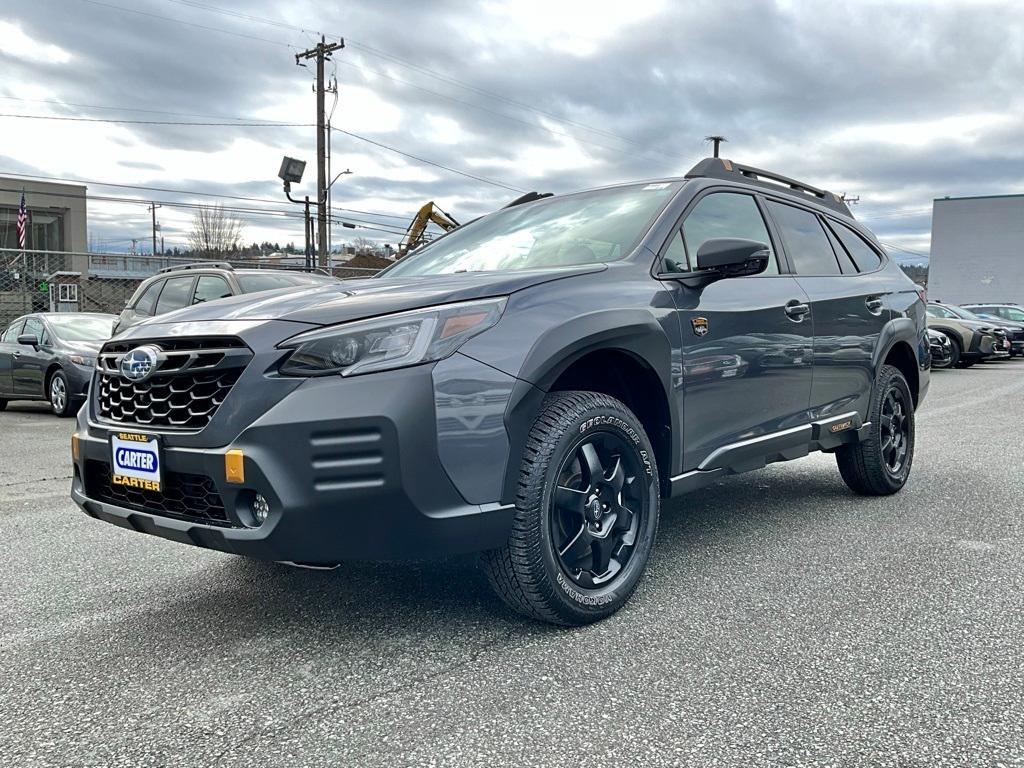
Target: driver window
{"x": 726, "y": 214}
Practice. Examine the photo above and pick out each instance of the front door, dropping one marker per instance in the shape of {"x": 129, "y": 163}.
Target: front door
{"x": 8, "y": 348}
{"x": 30, "y": 363}
{"x": 747, "y": 342}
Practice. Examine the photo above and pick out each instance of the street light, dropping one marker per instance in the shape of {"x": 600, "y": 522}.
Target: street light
{"x": 291, "y": 171}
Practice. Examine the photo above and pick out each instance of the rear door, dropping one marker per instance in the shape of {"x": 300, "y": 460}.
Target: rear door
{"x": 849, "y": 306}
{"x": 746, "y": 357}
{"x": 8, "y": 348}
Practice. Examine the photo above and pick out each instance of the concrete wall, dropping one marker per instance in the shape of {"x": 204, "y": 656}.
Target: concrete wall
{"x": 977, "y": 249}
{"x": 69, "y": 200}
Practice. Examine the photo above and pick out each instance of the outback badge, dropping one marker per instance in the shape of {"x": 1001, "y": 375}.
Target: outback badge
{"x": 700, "y": 326}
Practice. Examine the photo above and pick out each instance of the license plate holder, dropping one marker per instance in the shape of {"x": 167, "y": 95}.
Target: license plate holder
{"x": 135, "y": 460}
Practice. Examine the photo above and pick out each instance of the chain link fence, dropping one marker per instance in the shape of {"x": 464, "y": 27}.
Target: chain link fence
{"x": 51, "y": 281}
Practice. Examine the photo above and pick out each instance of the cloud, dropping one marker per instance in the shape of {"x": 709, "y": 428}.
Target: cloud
{"x": 898, "y": 103}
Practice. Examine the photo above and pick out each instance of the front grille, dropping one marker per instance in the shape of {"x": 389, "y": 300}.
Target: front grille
{"x": 192, "y": 379}
{"x": 182, "y": 496}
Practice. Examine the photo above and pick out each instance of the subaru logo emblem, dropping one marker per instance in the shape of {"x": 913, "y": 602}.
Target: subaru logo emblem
{"x": 139, "y": 363}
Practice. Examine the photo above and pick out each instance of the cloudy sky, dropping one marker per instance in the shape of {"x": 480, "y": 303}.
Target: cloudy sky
{"x": 898, "y": 103}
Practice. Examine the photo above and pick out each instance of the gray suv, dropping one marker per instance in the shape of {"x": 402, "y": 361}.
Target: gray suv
{"x": 188, "y": 284}
{"x": 530, "y": 386}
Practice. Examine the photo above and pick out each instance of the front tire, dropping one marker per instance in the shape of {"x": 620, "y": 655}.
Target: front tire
{"x": 586, "y": 512}
{"x": 954, "y": 354}
{"x": 60, "y": 394}
{"x": 879, "y": 465}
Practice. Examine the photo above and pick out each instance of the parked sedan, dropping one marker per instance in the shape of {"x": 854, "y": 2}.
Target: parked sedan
{"x": 51, "y": 356}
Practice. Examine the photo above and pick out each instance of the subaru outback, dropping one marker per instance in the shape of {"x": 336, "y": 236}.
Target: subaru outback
{"x": 530, "y": 386}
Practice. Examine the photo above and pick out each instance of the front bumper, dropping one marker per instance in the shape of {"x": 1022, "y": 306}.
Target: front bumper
{"x": 350, "y": 468}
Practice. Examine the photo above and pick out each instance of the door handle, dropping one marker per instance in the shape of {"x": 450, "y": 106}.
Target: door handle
{"x": 16, "y": 353}
{"x": 796, "y": 310}
{"x": 874, "y": 305}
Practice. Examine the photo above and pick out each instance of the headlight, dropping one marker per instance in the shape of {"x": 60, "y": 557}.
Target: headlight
{"x": 392, "y": 341}
{"x": 89, "y": 362}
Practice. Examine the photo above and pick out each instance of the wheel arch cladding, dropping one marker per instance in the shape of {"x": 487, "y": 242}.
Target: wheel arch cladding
{"x": 901, "y": 357}
{"x": 630, "y": 379}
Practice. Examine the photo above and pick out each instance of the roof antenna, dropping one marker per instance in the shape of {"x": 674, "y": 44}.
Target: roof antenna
{"x": 716, "y": 140}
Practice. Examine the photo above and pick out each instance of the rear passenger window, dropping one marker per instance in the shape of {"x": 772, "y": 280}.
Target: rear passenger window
{"x": 147, "y": 301}
{"x": 807, "y": 245}
{"x": 863, "y": 255}
{"x": 726, "y": 214}
{"x": 175, "y": 294}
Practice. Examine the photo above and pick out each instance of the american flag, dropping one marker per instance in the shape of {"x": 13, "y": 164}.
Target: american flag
{"x": 22, "y": 224}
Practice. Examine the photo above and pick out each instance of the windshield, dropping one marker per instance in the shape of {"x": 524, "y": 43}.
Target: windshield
{"x": 270, "y": 282}
{"x": 585, "y": 228}
{"x": 964, "y": 314}
{"x": 81, "y": 327}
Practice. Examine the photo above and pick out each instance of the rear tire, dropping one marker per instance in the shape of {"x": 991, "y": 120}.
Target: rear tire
{"x": 586, "y": 512}
{"x": 3, "y": 405}
{"x": 879, "y": 465}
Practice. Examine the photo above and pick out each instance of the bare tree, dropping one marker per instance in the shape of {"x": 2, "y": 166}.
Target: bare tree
{"x": 363, "y": 245}
{"x": 214, "y": 230}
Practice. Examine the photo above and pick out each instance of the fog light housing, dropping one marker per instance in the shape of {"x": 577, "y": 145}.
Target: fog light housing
{"x": 260, "y": 509}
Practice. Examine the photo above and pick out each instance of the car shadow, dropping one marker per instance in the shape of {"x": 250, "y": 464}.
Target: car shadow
{"x": 382, "y": 605}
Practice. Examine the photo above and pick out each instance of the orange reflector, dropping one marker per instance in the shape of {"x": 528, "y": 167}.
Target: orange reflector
{"x": 234, "y": 466}
{"x": 76, "y": 450}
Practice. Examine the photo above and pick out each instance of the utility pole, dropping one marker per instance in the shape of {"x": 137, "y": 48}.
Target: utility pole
{"x": 716, "y": 141}
{"x": 849, "y": 199}
{"x": 321, "y": 52}
{"x": 152, "y": 208}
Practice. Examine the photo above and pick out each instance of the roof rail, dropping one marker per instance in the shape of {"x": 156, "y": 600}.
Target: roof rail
{"x": 720, "y": 168}
{"x": 199, "y": 265}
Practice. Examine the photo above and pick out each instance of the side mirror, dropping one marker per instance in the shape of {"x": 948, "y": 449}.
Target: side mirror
{"x": 733, "y": 257}
{"x": 29, "y": 340}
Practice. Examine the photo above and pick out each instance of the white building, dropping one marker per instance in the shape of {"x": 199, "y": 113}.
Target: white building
{"x": 977, "y": 249}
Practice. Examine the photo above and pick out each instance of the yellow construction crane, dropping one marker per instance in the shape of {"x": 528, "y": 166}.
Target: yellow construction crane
{"x": 414, "y": 236}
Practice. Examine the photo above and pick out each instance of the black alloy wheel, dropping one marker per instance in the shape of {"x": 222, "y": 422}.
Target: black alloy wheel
{"x": 895, "y": 430}
{"x": 597, "y": 508}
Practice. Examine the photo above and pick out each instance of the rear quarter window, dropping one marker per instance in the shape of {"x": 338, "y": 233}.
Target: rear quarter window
{"x": 146, "y": 303}
{"x": 863, "y": 255}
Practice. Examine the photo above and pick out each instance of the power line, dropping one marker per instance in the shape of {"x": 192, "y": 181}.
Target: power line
{"x": 428, "y": 162}
{"x": 391, "y": 229}
{"x": 401, "y": 62}
{"x": 197, "y": 193}
{"x": 269, "y": 125}
{"x": 187, "y": 23}
{"x": 66, "y": 118}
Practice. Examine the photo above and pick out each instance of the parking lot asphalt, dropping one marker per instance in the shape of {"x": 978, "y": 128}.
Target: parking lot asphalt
{"x": 783, "y": 621}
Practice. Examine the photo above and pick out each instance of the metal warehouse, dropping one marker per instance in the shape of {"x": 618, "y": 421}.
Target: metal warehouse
{"x": 977, "y": 249}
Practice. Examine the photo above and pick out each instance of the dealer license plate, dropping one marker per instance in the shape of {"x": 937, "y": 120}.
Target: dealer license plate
{"x": 135, "y": 460}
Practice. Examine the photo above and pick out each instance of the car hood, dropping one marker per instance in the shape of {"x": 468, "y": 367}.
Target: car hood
{"x": 89, "y": 348}
{"x": 357, "y": 299}
{"x": 972, "y": 324}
